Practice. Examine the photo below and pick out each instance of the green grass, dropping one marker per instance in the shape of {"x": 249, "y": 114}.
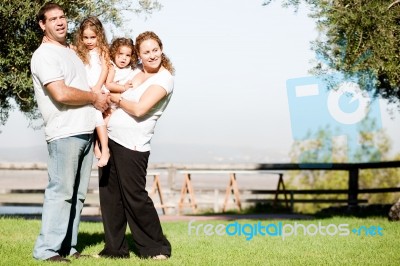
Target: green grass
{"x": 17, "y": 237}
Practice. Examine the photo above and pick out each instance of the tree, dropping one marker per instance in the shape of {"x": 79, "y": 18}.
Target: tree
{"x": 20, "y": 36}
{"x": 321, "y": 147}
{"x": 358, "y": 36}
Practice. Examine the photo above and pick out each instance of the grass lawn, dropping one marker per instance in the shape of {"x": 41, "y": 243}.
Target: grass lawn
{"x": 192, "y": 245}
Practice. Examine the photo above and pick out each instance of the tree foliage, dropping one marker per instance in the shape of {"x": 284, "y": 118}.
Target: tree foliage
{"x": 21, "y": 35}
{"x": 358, "y": 36}
{"x": 374, "y": 145}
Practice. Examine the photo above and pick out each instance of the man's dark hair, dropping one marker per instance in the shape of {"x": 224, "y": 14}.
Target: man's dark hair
{"x": 47, "y": 7}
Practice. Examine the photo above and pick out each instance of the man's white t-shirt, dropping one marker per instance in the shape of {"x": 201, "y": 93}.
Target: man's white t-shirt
{"x": 51, "y": 63}
{"x": 135, "y": 133}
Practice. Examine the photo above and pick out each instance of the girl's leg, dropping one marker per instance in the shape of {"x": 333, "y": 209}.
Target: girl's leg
{"x": 102, "y": 137}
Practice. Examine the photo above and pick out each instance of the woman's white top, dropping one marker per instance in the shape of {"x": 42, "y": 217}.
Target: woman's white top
{"x": 135, "y": 133}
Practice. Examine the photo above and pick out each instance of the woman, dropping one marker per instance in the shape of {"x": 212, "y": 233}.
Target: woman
{"x": 123, "y": 197}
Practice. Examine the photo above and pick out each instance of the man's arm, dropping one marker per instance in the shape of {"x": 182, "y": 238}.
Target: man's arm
{"x": 72, "y": 96}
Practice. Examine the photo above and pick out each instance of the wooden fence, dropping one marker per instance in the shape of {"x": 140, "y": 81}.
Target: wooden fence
{"x": 232, "y": 191}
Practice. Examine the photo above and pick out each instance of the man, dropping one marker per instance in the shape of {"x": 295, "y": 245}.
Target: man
{"x": 68, "y": 109}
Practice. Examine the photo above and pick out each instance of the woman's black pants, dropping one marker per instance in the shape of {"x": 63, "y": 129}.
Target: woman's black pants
{"x": 124, "y": 200}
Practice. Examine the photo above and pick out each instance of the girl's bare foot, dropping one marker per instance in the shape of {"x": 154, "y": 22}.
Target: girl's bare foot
{"x": 105, "y": 156}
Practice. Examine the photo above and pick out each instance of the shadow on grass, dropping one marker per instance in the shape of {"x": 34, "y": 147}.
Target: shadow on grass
{"x": 364, "y": 211}
{"x": 84, "y": 239}
{"x": 92, "y": 239}
{"x": 89, "y": 239}
{"x": 258, "y": 208}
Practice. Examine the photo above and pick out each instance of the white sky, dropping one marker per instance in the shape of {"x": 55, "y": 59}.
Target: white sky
{"x": 232, "y": 61}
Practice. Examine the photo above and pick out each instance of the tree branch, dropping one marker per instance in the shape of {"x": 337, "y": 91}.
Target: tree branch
{"x": 394, "y": 3}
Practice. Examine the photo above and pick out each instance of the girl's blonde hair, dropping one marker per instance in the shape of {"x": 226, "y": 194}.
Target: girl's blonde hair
{"x": 149, "y": 35}
{"x": 120, "y": 42}
{"x": 96, "y": 26}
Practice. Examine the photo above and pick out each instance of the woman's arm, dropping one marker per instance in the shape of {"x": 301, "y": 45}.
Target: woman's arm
{"x": 149, "y": 99}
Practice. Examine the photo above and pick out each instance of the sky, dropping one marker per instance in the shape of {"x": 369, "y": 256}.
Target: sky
{"x": 233, "y": 60}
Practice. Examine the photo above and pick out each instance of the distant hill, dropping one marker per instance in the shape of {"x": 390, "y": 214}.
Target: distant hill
{"x": 167, "y": 153}
{"x": 203, "y": 153}
{"x": 29, "y": 154}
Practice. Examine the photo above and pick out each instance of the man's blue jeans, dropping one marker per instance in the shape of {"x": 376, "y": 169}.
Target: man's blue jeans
{"x": 69, "y": 168}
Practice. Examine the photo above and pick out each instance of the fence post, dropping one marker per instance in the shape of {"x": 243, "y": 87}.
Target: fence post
{"x": 171, "y": 176}
{"x": 353, "y": 188}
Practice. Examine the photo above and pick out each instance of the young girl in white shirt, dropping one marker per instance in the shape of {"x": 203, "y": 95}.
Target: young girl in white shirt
{"x": 92, "y": 48}
{"x": 124, "y": 60}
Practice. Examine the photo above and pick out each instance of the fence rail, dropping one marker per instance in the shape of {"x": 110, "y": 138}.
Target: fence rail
{"x": 174, "y": 170}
